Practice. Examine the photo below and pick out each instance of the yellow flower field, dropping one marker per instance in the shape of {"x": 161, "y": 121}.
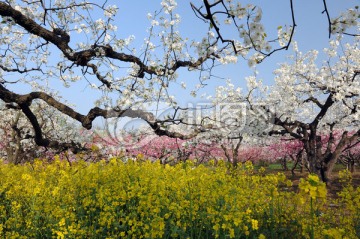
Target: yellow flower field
{"x": 149, "y": 200}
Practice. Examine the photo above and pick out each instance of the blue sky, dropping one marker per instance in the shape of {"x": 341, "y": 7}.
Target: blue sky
{"x": 311, "y": 33}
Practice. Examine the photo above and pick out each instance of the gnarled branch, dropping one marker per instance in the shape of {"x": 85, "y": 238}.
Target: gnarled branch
{"x": 24, "y": 102}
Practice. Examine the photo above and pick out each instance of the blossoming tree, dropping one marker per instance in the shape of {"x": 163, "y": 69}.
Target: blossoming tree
{"x": 317, "y": 100}
{"x": 17, "y": 142}
{"x": 42, "y": 42}
{"x": 312, "y": 104}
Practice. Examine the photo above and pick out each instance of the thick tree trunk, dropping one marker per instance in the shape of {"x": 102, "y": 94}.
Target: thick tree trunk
{"x": 304, "y": 164}
{"x": 330, "y": 159}
{"x": 324, "y": 169}
{"x": 317, "y": 166}
{"x": 312, "y": 162}
{"x": 312, "y": 153}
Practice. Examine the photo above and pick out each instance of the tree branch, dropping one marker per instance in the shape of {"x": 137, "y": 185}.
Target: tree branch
{"x": 327, "y": 16}
{"x": 82, "y": 58}
{"x": 316, "y": 101}
{"x": 328, "y": 103}
{"x": 24, "y": 102}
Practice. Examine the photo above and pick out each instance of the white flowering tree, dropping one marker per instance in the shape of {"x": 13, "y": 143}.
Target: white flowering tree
{"x": 312, "y": 103}
{"x": 17, "y": 138}
{"x": 42, "y": 42}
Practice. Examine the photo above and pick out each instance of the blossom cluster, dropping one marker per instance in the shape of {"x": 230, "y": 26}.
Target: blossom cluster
{"x": 346, "y": 20}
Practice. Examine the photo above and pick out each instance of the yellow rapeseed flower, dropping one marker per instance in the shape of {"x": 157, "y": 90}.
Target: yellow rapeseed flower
{"x": 261, "y": 236}
{"x": 254, "y": 224}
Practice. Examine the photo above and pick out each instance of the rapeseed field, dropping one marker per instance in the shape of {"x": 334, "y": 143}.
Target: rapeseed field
{"x": 149, "y": 200}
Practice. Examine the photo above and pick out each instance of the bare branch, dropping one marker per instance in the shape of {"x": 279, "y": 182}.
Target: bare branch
{"x": 328, "y": 103}
{"x": 327, "y": 16}
{"x": 314, "y": 100}
{"x": 209, "y": 16}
